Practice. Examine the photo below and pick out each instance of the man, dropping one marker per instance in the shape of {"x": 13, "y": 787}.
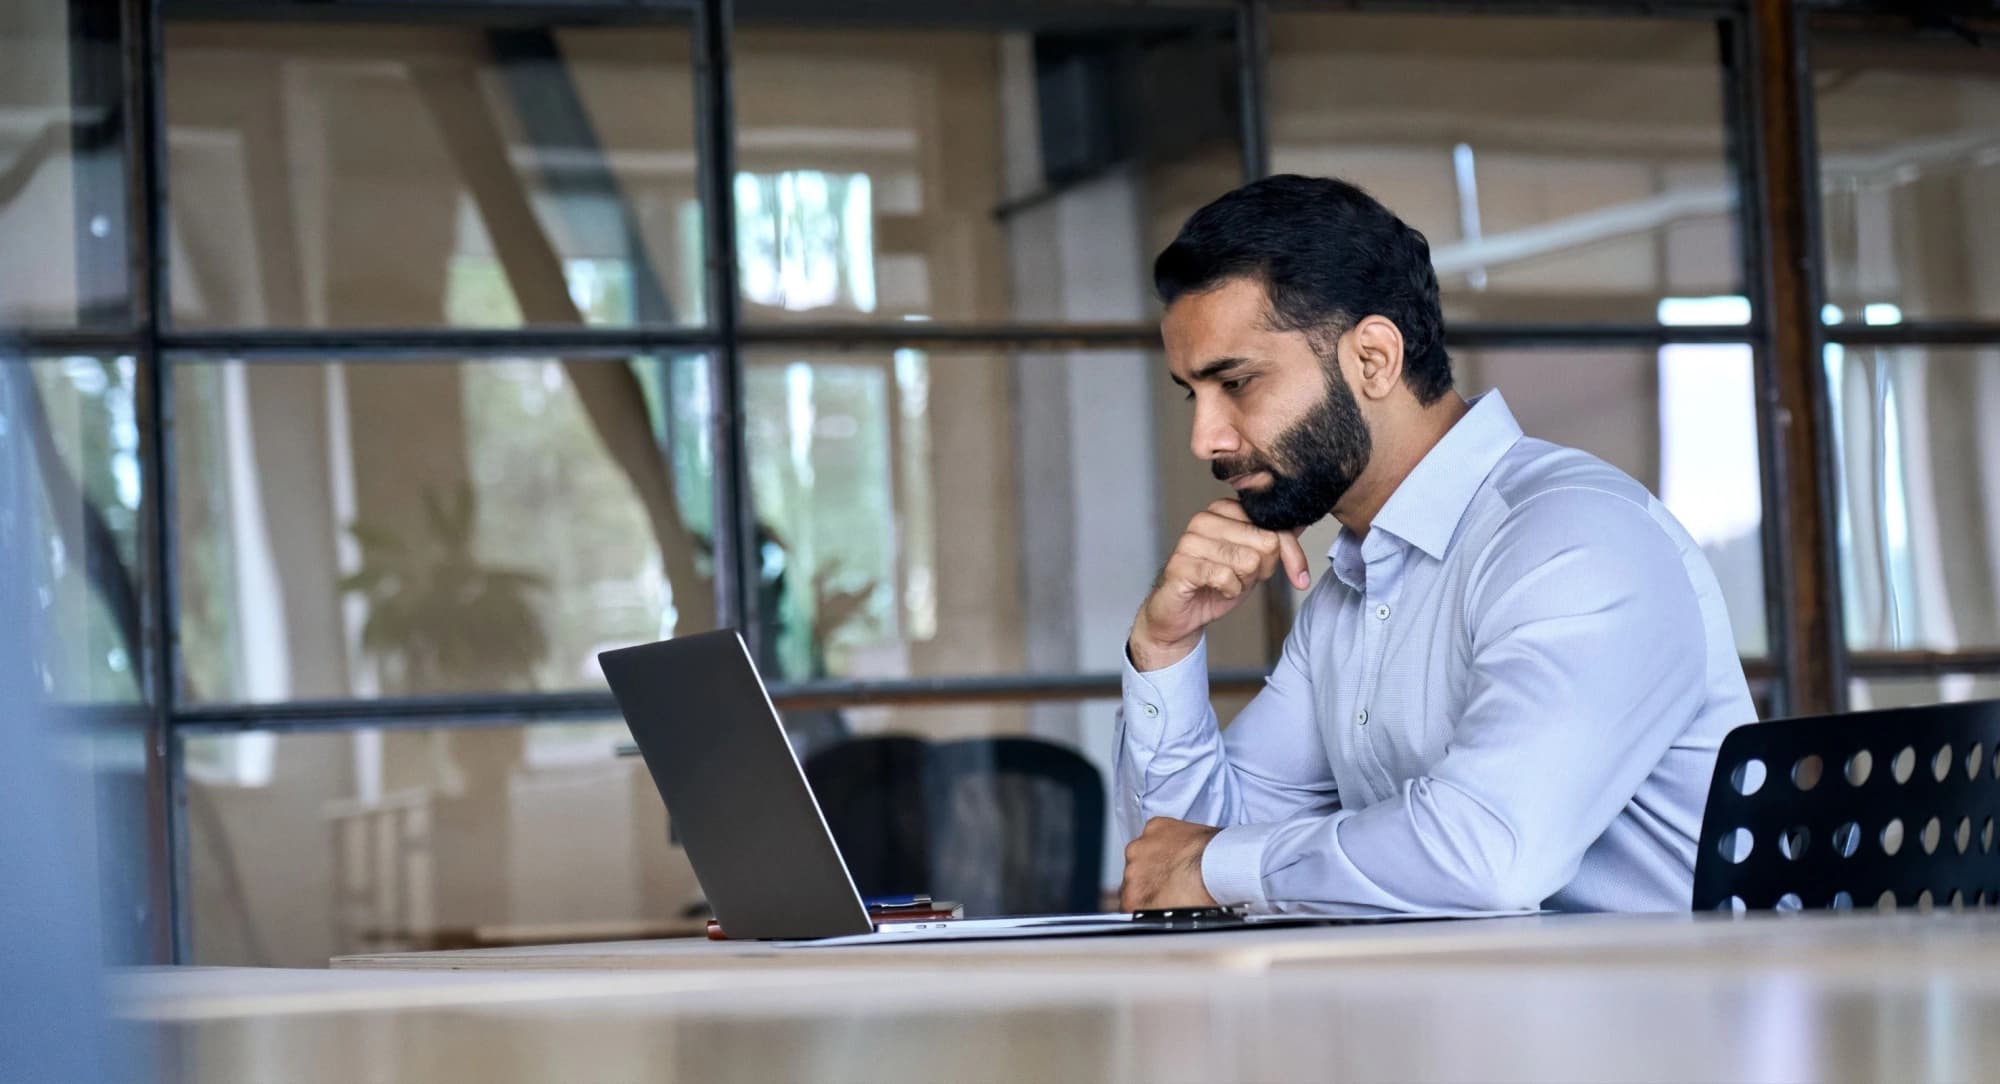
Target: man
{"x": 1508, "y": 692}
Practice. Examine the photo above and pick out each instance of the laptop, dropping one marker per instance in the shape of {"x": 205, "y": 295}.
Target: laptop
{"x": 752, "y": 830}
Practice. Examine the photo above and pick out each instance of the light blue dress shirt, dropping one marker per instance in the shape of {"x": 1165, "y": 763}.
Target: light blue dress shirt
{"x": 1508, "y": 694}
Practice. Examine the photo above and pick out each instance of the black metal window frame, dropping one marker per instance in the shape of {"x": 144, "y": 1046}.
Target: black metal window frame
{"x": 157, "y": 346}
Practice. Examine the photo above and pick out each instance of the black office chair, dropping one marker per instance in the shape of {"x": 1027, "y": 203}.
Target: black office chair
{"x": 1017, "y": 826}
{"x": 871, "y": 791}
{"x": 1881, "y": 809}
{"x": 1001, "y": 825}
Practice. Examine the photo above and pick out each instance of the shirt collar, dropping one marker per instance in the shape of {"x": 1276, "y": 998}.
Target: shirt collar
{"x": 1425, "y": 509}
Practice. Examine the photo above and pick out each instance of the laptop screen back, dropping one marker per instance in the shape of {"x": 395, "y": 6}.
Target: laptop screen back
{"x": 739, "y": 801}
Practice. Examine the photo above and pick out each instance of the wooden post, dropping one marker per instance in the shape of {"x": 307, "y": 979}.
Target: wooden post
{"x": 1812, "y": 655}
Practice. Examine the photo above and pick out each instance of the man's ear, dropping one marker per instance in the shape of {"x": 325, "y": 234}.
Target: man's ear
{"x": 1378, "y": 349}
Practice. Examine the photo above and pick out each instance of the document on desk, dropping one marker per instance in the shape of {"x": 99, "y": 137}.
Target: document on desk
{"x": 1101, "y": 925}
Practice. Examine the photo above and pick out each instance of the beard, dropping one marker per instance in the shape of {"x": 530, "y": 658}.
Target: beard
{"x": 1312, "y": 464}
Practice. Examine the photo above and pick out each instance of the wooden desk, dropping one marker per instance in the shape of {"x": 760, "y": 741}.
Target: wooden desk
{"x": 1585, "y": 998}
{"x": 510, "y": 935}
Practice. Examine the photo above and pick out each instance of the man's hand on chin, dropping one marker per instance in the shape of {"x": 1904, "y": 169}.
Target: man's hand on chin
{"x": 1163, "y": 866}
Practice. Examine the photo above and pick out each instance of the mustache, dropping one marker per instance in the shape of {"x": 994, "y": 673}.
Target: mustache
{"x": 1225, "y": 469}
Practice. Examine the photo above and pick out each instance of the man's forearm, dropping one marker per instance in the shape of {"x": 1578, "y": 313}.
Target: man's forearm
{"x": 1170, "y": 746}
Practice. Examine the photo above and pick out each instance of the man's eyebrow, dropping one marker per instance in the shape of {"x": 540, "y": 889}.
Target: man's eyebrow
{"x": 1221, "y": 367}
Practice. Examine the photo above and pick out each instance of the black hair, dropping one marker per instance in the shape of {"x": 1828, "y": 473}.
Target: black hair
{"x": 1328, "y": 255}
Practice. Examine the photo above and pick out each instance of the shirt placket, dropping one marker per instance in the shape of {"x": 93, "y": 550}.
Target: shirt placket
{"x": 1385, "y": 565}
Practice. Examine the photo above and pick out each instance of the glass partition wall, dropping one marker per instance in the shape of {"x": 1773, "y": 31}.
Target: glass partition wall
{"x": 380, "y": 365}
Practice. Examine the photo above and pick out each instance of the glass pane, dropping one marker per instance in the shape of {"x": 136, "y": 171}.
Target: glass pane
{"x": 72, "y": 600}
{"x": 1919, "y": 528}
{"x": 1910, "y": 692}
{"x": 401, "y": 528}
{"x": 62, "y": 179}
{"x": 75, "y": 424}
{"x": 962, "y": 513}
{"x": 304, "y": 846}
{"x": 1680, "y": 419}
{"x": 1909, "y": 144}
{"x": 1562, "y": 169}
{"x": 416, "y": 176}
{"x": 108, "y": 819}
{"x": 967, "y": 176}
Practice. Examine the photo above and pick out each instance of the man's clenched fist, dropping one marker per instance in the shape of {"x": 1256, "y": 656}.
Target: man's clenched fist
{"x": 1163, "y": 866}
{"x": 1221, "y": 558}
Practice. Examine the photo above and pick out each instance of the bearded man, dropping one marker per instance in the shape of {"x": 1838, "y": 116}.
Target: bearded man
{"x": 1508, "y": 691}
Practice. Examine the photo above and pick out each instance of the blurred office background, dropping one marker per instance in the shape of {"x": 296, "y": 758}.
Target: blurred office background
{"x": 379, "y": 364}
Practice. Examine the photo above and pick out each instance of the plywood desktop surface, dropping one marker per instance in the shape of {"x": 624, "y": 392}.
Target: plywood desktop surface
{"x": 1571, "y": 997}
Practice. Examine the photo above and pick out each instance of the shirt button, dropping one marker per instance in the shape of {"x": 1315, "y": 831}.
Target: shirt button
{"x": 1151, "y": 711}
{"x": 1382, "y": 612}
{"x": 1361, "y": 716}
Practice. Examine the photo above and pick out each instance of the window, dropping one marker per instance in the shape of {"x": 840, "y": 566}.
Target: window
{"x": 448, "y": 393}
{"x": 805, "y": 240}
{"x": 973, "y": 176}
{"x": 373, "y": 839}
{"x": 79, "y": 413}
{"x": 410, "y": 175}
{"x": 1903, "y": 692}
{"x": 63, "y": 225}
{"x": 1909, "y": 137}
{"x": 376, "y": 839}
{"x": 426, "y": 527}
{"x": 1681, "y": 419}
{"x": 1563, "y": 170}
{"x": 947, "y": 513}
{"x": 1919, "y": 522}
{"x": 1907, "y": 117}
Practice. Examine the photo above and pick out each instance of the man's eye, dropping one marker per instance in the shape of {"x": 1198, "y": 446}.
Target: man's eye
{"x": 1236, "y": 385}
{"x": 1189, "y": 396}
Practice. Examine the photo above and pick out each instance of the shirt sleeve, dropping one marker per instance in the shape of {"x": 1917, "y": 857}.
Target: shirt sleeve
{"x": 1174, "y": 760}
{"x": 1587, "y": 657}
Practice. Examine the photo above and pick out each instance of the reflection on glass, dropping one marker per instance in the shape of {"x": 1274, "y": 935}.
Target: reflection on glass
{"x": 62, "y": 184}
{"x": 1919, "y": 529}
{"x": 1681, "y": 420}
{"x": 415, "y": 528}
{"x": 1562, "y": 169}
{"x": 1909, "y": 144}
{"x": 416, "y": 176}
{"x": 70, "y": 503}
{"x": 829, "y": 496}
{"x": 1909, "y": 692}
{"x": 75, "y": 420}
{"x": 929, "y": 515}
{"x": 964, "y": 176}
{"x": 305, "y": 846}
{"x": 805, "y": 240}
{"x": 1709, "y": 463}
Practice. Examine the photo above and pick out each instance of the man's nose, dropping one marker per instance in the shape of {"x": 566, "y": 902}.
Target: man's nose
{"x": 1214, "y": 435}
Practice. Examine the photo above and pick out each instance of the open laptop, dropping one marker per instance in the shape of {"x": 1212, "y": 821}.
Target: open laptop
{"x": 751, "y": 827}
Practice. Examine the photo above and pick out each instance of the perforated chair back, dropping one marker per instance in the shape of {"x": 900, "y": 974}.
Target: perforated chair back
{"x": 1880, "y": 809}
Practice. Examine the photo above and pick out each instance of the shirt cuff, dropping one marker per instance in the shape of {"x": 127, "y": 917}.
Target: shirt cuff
{"x": 1232, "y": 867}
{"x": 1152, "y": 698}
